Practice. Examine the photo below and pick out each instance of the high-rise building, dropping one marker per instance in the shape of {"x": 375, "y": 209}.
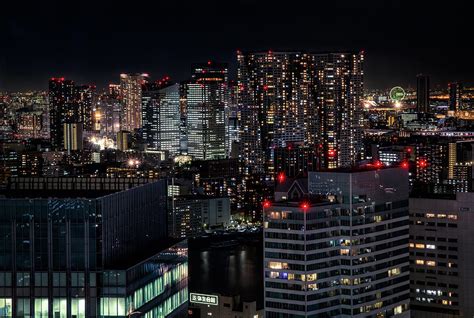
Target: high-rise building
{"x": 455, "y": 96}
{"x": 294, "y": 97}
{"x": 85, "y": 99}
{"x": 423, "y": 94}
{"x": 131, "y": 95}
{"x": 339, "y": 89}
{"x": 109, "y": 110}
{"x": 73, "y": 136}
{"x": 62, "y": 108}
{"x": 206, "y": 98}
{"x": 441, "y": 258}
{"x": 161, "y": 118}
{"x": 274, "y": 98}
{"x": 342, "y": 250}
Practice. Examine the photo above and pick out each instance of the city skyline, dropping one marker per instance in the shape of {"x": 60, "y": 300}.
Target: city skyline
{"x": 97, "y": 43}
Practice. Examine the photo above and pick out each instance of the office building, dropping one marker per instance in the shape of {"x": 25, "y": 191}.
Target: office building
{"x": 161, "y": 118}
{"x": 441, "y": 258}
{"x": 131, "y": 96}
{"x": 189, "y": 216}
{"x": 339, "y": 89}
{"x": 206, "y": 99}
{"x": 69, "y": 253}
{"x": 62, "y": 109}
{"x": 342, "y": 250}
{"x": 423, "y": 94}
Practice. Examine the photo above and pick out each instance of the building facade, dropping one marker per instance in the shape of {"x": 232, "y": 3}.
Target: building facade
{"x": 423, "y": 94}
{"x": 89, "y": 256}
{"x": 131, "y": 96}
{"x": 441, "y": 261}
{"x": 206, "y": 100}
{"x": 161, "y": 118}
{"x": 342, "y": 255}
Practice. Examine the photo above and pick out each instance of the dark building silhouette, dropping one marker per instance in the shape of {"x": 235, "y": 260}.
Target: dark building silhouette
{"x": 422, "y": 93}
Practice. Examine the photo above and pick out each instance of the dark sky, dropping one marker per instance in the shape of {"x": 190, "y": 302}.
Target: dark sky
{"x": 93, "y": 43}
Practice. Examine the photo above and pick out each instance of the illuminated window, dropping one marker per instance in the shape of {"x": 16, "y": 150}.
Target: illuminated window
{"x": 442, "y": 216}
{"x": 420, "y": 262}
{"x": 430, "y": 246}
{"x": 41, "y": 308}
{"x": 274, "y": 274}
{"x": 430, "y": 215}
{"x": 419, "y": 245}
{"x": 452, "y": 217}
{"x": 311, "y": 277}
{"x": 312, "y": 287}
{"x": 277, "y": 265}
{"x": 344, "y": 252}
{"x": 398, "y": 310}
{"x": 431, "y": 263}
{"x": 394, "y": 272}
{"x": 60, "y": 307}
{"x": 5, "y": 307}
{"x": 412, "y": 245}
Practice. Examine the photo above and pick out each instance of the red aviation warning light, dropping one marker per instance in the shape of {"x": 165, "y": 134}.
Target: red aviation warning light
{"x": 422, "y": 163}
{"x": 266, "y": 204}
{"x": 281, "y": 177}
{"x": 304, "y": 205}
{"x": 405, "y": 164}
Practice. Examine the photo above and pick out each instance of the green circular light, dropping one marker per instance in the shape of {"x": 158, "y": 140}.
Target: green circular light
{"x": 397, "y": 93}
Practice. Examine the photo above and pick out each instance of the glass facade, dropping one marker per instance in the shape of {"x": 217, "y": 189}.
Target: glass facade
{"x": 67, "y": 258}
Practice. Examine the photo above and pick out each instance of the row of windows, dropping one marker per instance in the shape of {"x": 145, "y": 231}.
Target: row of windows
{"x": 41, "y": 308}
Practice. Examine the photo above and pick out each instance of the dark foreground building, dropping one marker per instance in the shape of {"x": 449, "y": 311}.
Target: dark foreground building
{"x": 64, "y": 256}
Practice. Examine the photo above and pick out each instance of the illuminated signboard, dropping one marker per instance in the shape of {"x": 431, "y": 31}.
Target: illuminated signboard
{"x": 204, "y": 299}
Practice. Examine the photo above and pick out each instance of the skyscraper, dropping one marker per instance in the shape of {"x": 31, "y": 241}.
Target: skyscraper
{"x": 62, "y": 109}
{"x": 85, "y": 98}
{"x": 300, "y": 98}
{"x": 423, "y": 93}
{"x": 337, "y": 119}
{"x": 274, "y": 90}
{"x": 131, "y": 95}
{"x": 455, "y": 96}
{"x": 206, "y": 98}
{"x": 342, "y": 250}
{"x": 161, "y": 118}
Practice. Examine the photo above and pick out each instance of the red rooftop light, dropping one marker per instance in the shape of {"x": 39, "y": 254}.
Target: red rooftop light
{"x": 281, "y": 177}
{"x": 422, "y": 163}
{"x": 404, "y": 164}
{"x": 304, "y": 205}
{"x": 267, "y": 204}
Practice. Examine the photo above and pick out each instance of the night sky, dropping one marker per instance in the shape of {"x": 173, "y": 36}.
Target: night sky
{"x": 93, "y": 43}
